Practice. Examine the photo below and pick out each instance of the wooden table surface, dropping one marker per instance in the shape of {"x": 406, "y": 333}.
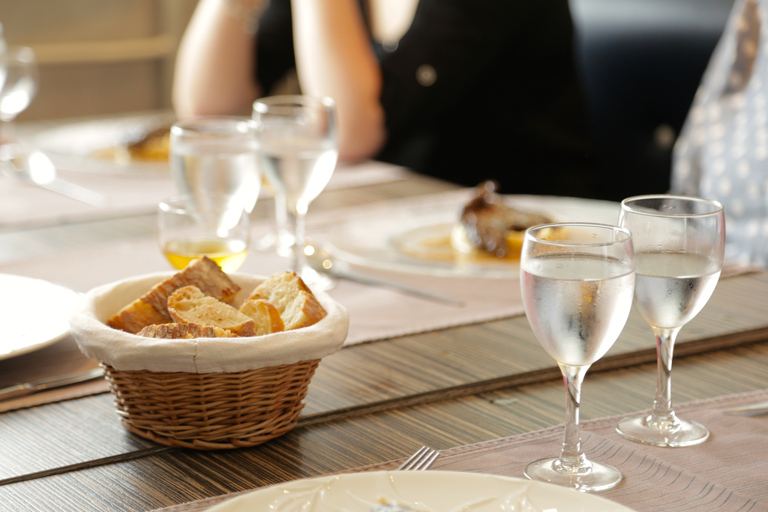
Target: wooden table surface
{"x": 368, "y": 403}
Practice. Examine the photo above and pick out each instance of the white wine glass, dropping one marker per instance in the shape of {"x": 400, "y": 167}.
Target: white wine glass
{"x": 190, "y": 227}
{"x": 679, "y": 244}
{"x": 18, "y": 86}
{"x": 577, "y": 283}
{"x": 298, "y": 153}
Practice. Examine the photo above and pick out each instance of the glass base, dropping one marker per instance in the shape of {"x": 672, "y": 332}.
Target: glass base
{"x": 642, "y": 429}
{"x": 595, "y": 477}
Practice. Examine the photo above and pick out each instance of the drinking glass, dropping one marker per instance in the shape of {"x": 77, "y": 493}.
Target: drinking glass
{"x": 679, "y": 243}
{"x": 298, "y": 154}
{"x": 18, "y": 86}
{"x": 577, "y": 282}
{"x": 218, "y": 226}
{"x": 212, "y": 156}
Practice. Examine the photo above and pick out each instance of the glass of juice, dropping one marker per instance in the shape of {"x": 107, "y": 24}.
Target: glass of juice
{"x": 217, "y": 226}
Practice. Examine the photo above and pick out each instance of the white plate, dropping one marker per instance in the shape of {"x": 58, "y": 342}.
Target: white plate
{"x": 423, "y": 491}
{"x": 75, "y": 147}
{"x": 415, "y": 236}
{"x": 33, "y": 314}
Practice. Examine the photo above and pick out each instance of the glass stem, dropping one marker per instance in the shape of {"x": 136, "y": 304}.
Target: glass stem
{"x": 572, "y": 458}
{"x": 280, "y": 218}
{"x": 296, "y": 220}
{"x": 662, "y": 415}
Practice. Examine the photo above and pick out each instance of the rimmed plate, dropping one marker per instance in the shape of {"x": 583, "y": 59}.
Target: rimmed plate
{"x": 33, "y": 314}
{"x": 422, "y": 491}
{"x": 415, "y": 236}
{"x": 89, "y": 146}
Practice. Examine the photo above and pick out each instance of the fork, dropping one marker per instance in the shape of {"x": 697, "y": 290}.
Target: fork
{"x": 419, "y": 461}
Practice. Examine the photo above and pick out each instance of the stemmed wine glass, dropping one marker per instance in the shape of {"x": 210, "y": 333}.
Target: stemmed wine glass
{"x": 679, "y": 243}
{"x": 298, "y": 153}
{"x": 577, "y": 282}
{"x": 18, "y": 85}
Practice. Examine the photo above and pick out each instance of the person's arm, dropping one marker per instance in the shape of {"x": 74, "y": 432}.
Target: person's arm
{"x": 334, "y": 58}
{"x": 214, "y": 72}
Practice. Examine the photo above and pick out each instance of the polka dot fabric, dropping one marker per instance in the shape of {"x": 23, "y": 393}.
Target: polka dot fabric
{"x": 722, "y": 152}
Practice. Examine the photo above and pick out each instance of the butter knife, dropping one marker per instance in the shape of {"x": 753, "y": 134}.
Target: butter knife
{"x": 28, "y": 388}
{"x": 750, "y": 410}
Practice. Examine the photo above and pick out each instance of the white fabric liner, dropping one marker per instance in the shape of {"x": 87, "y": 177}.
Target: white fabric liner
{"x": 125, "y": 351}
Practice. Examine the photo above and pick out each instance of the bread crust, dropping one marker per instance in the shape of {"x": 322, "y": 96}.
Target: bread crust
{"x": 189, "y": 305}
{"x": 296, "y": 303}
{"x": 152, "y": 307}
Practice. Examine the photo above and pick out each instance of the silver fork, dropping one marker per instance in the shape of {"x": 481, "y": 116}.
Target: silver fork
{"x": 419, "y": 461}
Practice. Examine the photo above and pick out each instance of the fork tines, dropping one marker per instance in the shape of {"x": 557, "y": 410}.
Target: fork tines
{"x": 419, "y": 461}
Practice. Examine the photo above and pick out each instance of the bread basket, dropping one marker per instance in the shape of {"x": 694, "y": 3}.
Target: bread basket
{"x": 205, "y": 393}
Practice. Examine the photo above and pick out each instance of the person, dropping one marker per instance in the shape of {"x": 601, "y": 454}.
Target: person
{"x": 722, "y": 151}
{"x": 473, "y": 90}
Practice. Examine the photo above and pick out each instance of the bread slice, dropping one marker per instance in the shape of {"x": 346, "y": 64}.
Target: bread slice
{"x": 152, "y": 308}
{"x": 189, "y": 305}
{"x": 265, "y": 316}
{"x": 184, "y": 331}
{"x": 297, "y": 305}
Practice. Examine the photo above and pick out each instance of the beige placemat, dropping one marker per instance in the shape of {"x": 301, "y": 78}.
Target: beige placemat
{"x": 22, "y": 204}
{"x": 727, "y": 473}
{"x": 375, "y": 312}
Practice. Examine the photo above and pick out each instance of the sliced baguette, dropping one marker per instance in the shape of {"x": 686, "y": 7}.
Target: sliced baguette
{"x": 184, "y": 331}
{"x": 152, "y": 308}
{"x": 265, "y": 316}
{"x": 296, "y": 303}
{"x": 189, "y": 305}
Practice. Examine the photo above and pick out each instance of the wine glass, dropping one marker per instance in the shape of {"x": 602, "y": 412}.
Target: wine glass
{"x": 679, "y": 243}
{"x": 190, "y": 227}
{"x": 212, "y": 156}
{"x": 577, "y": 282}
{"x": 18, "y": 86}
{"x": 298, "y": 154}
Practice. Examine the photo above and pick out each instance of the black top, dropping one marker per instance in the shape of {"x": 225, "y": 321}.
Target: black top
{"x": 476, "y": 89}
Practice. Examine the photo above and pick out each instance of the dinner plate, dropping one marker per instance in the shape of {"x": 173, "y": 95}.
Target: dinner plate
{"x": 415, "y": 236}
{"x": 422, "y": 491}
{"x": 88, "y": 146}
{"x": 33, "y": 314}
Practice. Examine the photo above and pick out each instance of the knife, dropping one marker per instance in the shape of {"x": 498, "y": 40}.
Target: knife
{"x": 750, "y": 410}
{"x": 28, "y": 388}
{"x": 385, "y": 283}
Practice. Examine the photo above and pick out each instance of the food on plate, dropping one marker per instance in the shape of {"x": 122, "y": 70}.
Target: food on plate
{"x": 488, "y": 225}
{"x": 198, "y": 302}
{"x": 152, "y": 307}
{"x": 184, "y": 331}
{"x": 188, "y": 305}
{"x": 297, "y": 305}
{"x": 151, "y": 146}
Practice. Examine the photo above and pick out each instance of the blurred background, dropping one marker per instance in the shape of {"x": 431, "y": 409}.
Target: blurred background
{"x": 98, "y": 56}
{"x": 641, "y": 61}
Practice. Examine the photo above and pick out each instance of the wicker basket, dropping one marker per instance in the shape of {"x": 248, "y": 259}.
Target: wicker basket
{"x": 211, "y": 411}
{"x": 212, "y": 393}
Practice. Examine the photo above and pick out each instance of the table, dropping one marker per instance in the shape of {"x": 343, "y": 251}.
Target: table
{"x": 369, "y": 404}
